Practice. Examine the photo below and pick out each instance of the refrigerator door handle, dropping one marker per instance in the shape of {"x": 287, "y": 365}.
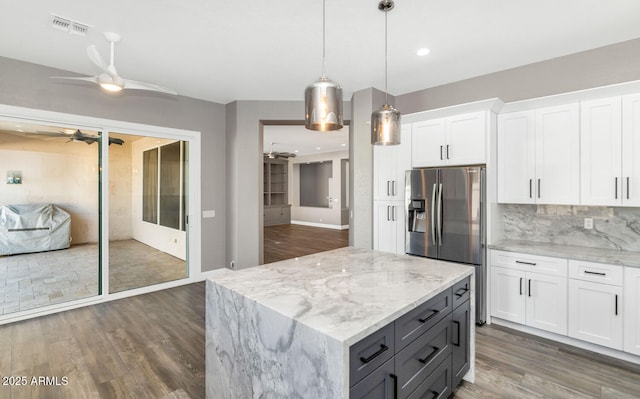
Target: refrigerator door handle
{"x": 440, "y": 214}
{"x": 433, "y": 215}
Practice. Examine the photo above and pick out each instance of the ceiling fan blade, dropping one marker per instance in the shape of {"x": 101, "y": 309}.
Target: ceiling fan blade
{"x": 51, "y": 134}
{"x": 133, "y": 84}
{"x": 92, "y": 79}
{"x": 96, "y": 58}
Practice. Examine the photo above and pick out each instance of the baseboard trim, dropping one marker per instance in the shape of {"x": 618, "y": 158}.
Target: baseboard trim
{"x": 323, "y": 225}
{"x": 602, "y": 350}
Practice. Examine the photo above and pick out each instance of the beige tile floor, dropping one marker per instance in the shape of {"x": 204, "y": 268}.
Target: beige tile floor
{"x": 29, "y": 281}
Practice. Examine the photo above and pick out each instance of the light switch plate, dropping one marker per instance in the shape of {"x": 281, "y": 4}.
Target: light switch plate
{"x": 588, "y": 223}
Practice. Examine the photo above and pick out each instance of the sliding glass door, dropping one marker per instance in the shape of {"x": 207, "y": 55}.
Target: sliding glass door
{"x": 147, "y": 211}
{"x": 49, "y": 215}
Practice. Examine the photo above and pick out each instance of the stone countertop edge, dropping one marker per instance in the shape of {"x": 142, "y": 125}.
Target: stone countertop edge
{"x": 371, "y": 326}
{"x": 590, "y": 254}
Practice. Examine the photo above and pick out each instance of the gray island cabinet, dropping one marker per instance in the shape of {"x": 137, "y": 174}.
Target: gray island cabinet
{"x": 348, "y": 323}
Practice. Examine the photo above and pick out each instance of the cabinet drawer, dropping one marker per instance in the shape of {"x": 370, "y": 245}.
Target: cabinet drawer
{"x": 596, "y": 272}
{"x": 418, "y": 360}
{"x": 533, "y": 263}
{"x": 377, "y": 385}
{"x": 369, "y": 353}
{"x": 437, "y": 385}
{"x": 461, "y": 292}
{"x": 417, "y": 321}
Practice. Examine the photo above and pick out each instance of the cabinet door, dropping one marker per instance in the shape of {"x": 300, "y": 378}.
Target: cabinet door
{"x": 631, "y": 310}
{"x": 547, "y": 302}
{"x": 516, "y": 157}
{"x": 507, "y": 294}
{"x": 403, "y": 162}
{"x": 460, "y": 339}
{"x": 380, "y": 384}
{"x": 384, "y": 172}
{"x": 631, "y": 150}
{"x": 594, "y": 313}
{"x": 558, "y": 155}
{"x": 465, "y": 139}
{"x": 601, "y": 152}
{"x": 388, "y": 233}
{"x": 428, "y": 143}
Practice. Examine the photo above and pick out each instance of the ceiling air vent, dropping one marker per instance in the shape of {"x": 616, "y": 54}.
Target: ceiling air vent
{"x": 69, "y": 25}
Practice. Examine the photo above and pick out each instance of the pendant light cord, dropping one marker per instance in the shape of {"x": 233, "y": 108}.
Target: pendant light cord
{"x": 323, "y": 37}
{"x": 386, "y": 91}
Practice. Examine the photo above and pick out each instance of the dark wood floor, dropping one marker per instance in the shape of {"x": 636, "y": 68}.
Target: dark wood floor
{"x": 148, "y": 346}
{"x": 152, "y": 346}
{"x": 287, "y": 241}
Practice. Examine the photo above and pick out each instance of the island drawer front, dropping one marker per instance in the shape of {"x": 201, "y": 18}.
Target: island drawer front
{"x": 530, "y": 263}
{"x": 437, "y": 385}
{"x": 377, "y": 385}
{"x": 370, "y": 352}
{"x": 419, "y": 359}
{"x": 417, "y": 321}
{"x": 596, "y": 272}
{"x": 461, "y": 292}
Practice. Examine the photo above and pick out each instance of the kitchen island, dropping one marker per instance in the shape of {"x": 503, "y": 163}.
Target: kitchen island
{"x": 298, "y": 328}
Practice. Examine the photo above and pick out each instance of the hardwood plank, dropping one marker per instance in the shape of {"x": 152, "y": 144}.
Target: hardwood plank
{"x": 288, "y": 241}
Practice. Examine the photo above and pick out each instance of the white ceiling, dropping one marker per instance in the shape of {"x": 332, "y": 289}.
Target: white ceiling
{"x": 225, "y": 50}
{"x": 300, "y": 141}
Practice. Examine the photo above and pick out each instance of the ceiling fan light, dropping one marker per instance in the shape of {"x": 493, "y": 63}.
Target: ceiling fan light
{"x": 385, "y": 126}
{"x": 110, "y": 83}
{"x": 323, "y": 105}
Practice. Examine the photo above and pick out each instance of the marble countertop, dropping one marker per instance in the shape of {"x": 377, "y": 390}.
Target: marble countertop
{"x": 346, "y": 293}
{"x": 611, "y": 256}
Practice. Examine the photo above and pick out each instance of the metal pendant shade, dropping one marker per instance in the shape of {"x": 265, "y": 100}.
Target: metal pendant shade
{"x": 323, "y": 98}
{"x": 385, "y": 126}
{"x": 385, "y": 122}
{"x": 323, "y": 105}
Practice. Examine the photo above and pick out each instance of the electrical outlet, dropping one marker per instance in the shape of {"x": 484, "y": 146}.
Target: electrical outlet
{"x": 232, "y": 264}
{"x": 588, "y": 223}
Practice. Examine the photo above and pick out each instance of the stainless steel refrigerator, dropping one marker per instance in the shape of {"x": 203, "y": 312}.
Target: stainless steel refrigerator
{"x": 446, "y": 220}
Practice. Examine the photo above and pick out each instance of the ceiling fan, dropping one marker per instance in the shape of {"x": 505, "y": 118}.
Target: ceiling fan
{"x": 275, "y": 154}
{"x": 79, "y": 136}
{"x": 109, "y": 79}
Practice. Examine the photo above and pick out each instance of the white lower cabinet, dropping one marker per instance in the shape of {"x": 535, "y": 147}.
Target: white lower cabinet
{"x": 631, "y": 310}
{"x": 595, "y": 313}
{"x": 534, "y": 299}
{"x": 388, "y": 226}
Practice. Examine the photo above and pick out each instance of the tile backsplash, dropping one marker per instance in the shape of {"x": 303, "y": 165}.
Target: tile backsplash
{"x": 613, "y": 228}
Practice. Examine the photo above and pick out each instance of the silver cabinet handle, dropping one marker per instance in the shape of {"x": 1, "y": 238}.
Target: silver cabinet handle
{"x": 440, "y": 214}
{"x": 388, "y": 212}
{"x": 538, "y": 188}
{"x": 447, "y": 151}
{"x": 441, "y": 153}
{"x": 616, "y": 188}
{"x": 530, "y": 188}
{"x": 388, "y": 189}
{"x": 627, "y": 187}
{"x": 433, "y": 215}
{"x": 393, "y": 188}
{"x": 394, "y": 213}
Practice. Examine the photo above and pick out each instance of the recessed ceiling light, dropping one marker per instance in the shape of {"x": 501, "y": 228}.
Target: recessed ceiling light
{"x": 296, "y": 151}
{"x": 343, "y": 145}
{"x": 423, "y": 51}
{"x": 20, "y": 130}
{"x": 317, "y": 148}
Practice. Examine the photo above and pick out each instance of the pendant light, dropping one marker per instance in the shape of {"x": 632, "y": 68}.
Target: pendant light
{"x": 323, "y": 98}
{"x": 385, "y": 122}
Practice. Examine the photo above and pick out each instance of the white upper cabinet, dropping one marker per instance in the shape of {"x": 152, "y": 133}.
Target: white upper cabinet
{"x": 558, "y": 155}
{"x": 389, "y": 166}
{"x": 631, "y": 150}
{"x": 601, "y": 152}
{"x": 428, "y": 139}
{"x": 516, "y": 157}
{"x": 539, "y": 156}
{"x": 455, "y": 140}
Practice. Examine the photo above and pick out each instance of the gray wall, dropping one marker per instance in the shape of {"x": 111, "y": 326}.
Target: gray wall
{"x": 598, "y": 67}
{"x": 28, "y": 85}
{"x": 245, "y": 216}
{"x": 314, "y": 183}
